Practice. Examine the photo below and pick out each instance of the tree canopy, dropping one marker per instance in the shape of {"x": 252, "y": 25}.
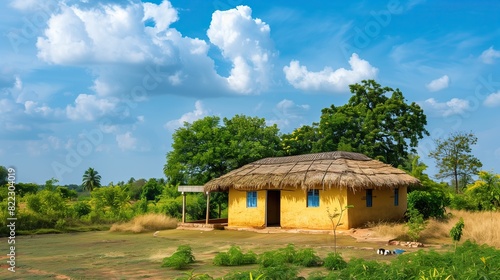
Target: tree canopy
{"x": 377, "y": 121}
{"x": 454, "y": 159}
{"x": 207, "y": 149}
{"x": 91, "y": 180}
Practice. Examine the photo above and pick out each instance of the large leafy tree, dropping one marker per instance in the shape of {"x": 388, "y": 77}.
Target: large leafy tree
{"x": 91, "y": 180}
{"x": 4, "y": 173}
{"x": 206, "y": 149}
{"x": 376, "y": 121}
{"x": 454, "y": 159}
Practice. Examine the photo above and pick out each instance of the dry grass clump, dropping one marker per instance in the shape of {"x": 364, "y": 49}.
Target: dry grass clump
{"x": 146, "y": 223}
{"x": 480, "y": 227}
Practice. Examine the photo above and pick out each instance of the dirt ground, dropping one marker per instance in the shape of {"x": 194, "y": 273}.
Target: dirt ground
{"x": 107, "y": 255}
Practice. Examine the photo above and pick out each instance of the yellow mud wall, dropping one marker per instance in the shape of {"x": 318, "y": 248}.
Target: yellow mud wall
{"x": 383, "y": 208}
{"x": 296, "y": 214}
{"x": 240, "y": 215}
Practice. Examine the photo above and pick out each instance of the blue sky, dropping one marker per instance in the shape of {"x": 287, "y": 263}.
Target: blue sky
{"x": 104, "y": 84}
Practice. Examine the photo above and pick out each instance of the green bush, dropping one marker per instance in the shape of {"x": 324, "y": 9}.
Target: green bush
{"x": 334, "y": 262}
{"x": 307, "y": 258}
{"x": 282, "y": 271}
{"x": 81, "y": 208}
{"x": 431, "y": 204}
{"x": 416, "y": 224}
{"x": 180, "y": 259}
{"x": 234, "y": 256}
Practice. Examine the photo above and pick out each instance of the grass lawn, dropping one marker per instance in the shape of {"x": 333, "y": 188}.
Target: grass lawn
{"x": 112, "y": 255}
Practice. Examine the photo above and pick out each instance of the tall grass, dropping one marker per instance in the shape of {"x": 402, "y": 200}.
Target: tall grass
{"x": 146, "y": 222}
{"x": 481, "y": 227}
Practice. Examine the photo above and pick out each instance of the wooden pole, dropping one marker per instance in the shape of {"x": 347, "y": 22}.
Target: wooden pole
{"x": 208, "y": 207}
{"x": 183, "y": 207}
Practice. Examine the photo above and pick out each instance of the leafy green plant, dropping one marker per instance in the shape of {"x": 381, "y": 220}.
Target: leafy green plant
{"x": 336, "y": 218}
{"x": 431, "y": 204}
{"x": 456, "y": 231}
{"x": 180, "y": 259}
{"x": 234, "y": 256}
{"x": 334, "y": 261}
{"x": 193, "y": 276}
{"x": 307, "y": 258}
{"x": 416, "y": 224}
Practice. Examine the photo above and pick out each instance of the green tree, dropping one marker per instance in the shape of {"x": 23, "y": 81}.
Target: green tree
{"x": 454, "y": 159}
{"x": 91, "y": 180}
{"x": 485, "y": 192}
{"x": 301, "y": 140}
{"x": 4, "y": 173}
{"x": 206, "y": 149}
{"x": 377, "y": 121}
{"x": 151, "y": 189}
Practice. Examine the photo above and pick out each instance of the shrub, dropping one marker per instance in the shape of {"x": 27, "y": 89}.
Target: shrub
{"x": 334, "y": 262}
{"x": 180, "y": 259}
{"x": 303, "y": 257}
{"x": 307, "y": 257}
{"x": 146, "y": 223}
{"x": 431, "y": 204}
{"x": 282, "y": 271}
{"x": 234, "y": 256}
{"x": 415, "y": 224}
{"x": 81, "y": 208}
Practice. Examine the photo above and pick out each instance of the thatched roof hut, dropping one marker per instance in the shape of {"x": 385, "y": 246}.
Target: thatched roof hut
{"x": 314, "y": 171}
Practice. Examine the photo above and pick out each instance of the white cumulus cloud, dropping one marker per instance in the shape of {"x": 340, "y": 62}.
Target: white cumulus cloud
{"x": 132, "y": 47}
{"x": 126, "y": 141}
{"x": 89, "y": 107}
{"x": 438, "y": 84}
{"x": 488, "y": 56}
{"x": 455, "y": 106}
{"x": 492, "y": 100}
{"x": 328, "y": 79}
{"x": 198, "y": 113}
{"x": 287, "y": 112}
{"x": 246, "y": 42}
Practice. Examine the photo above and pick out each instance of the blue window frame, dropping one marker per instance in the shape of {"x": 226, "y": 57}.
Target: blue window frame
{"x": 369, "y": 198}
{"x": 313, "y": 198}
{"x": 251, "y": 199}
{"x": 396, "y": 197}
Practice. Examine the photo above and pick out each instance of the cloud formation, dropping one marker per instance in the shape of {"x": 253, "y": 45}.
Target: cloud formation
{"x": 438, "y": 84}
{"x": 120, "y": 44}
{"x": 198, "y": 113}
{"x": 455, "y": 106}
{"x": 492, "y": 100}
{"x": 488, "y": 56}
{"x": 288, "y": 112}
{"x": 329, "y": 80}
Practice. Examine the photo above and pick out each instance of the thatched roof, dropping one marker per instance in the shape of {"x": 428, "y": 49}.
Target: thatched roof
{"x": 313, "y": 171}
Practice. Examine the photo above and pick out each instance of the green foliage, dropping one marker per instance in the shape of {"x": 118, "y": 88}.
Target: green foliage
{"x": 289, "y": 255}
{"x": 282, "y": 271}
{"x": 334, "y": 261}
{"x": 456, "y": 231}
{"x": 301, "y": 140}
{"x": 205, "y": 149}
{"x": 114, "y": 199}
{"x": 376, "y": 121}
{"x": 66, "y": 193}
{"x": 48, "y": 203}
{"x": 91, "y": 180}
{"x": 193, "y": 276}
{"x": 484, "y": 194}
{"x": 234, "y": 256}
{"x": 81, "y": 208}
{"x": 4, "y": 173}
{"x": 180, "y": 259}
{"x": 151, "y": 189}
{"x": 416, "y": 224}
{"x": 454, "y": 159}
{"x": 429, "y": 203}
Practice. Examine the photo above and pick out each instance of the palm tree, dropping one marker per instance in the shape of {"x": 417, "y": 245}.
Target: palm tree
{"x": 91, "y": 180}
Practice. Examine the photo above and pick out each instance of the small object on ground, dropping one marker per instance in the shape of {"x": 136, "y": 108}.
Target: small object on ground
{"x": 156, "y": 233}
{"x": 384, "y": 252}
{"x": 399, "y": 251}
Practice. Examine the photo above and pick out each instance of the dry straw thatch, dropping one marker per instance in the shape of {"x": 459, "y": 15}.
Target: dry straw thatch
{"x": 314, "y": 171}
